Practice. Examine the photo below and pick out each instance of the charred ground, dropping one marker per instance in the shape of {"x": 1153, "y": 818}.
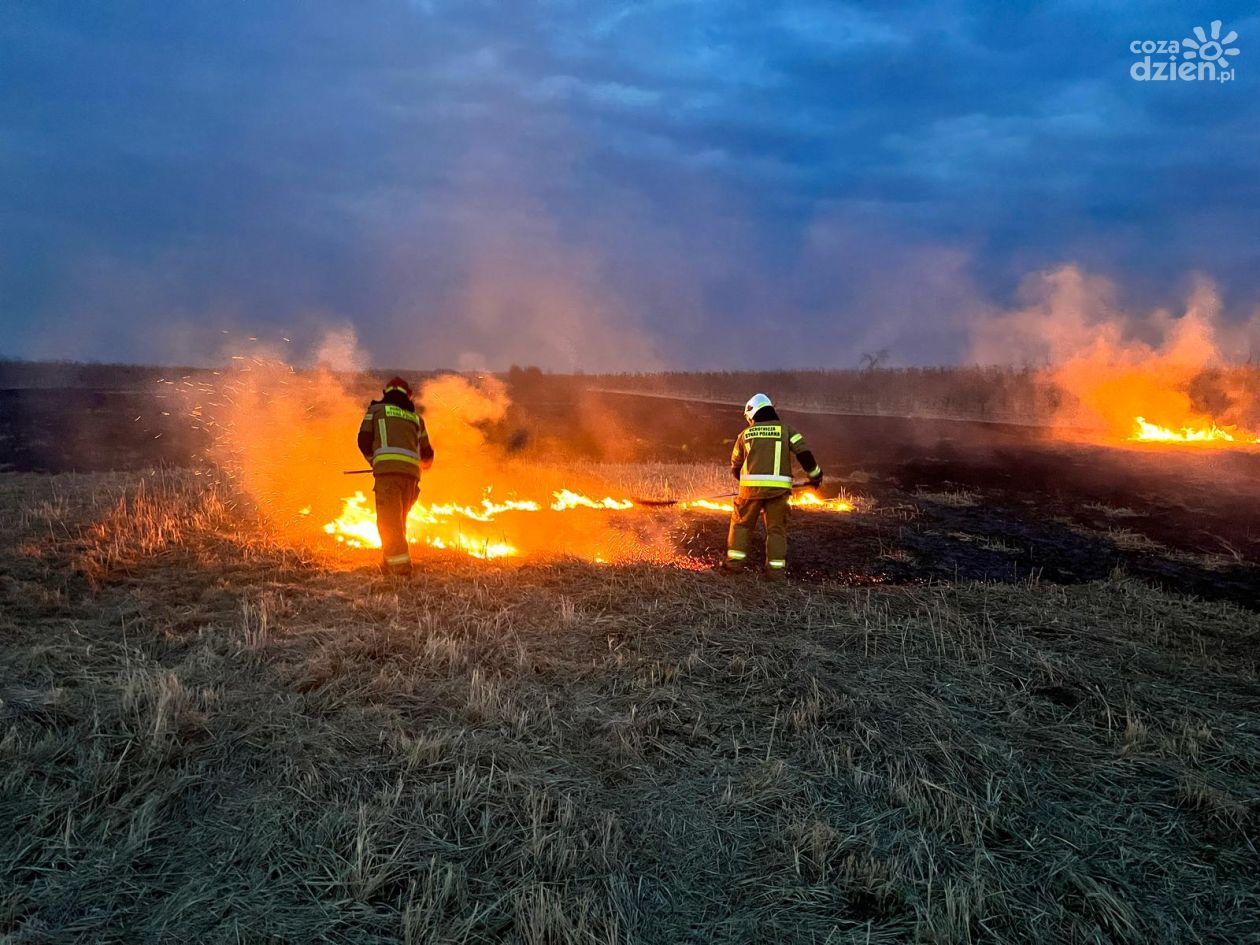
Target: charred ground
{"x": 956, "y": 500}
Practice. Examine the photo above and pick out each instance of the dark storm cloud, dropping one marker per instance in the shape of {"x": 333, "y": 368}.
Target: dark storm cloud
{"x": 600, "y": 184}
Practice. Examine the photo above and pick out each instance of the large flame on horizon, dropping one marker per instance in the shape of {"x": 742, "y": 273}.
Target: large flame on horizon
{"x": 1172, "y": 378}
{"x": 1208, "y": 434}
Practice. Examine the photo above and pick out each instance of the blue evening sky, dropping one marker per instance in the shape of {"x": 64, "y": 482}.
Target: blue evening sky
{"x": 590, "y": 184}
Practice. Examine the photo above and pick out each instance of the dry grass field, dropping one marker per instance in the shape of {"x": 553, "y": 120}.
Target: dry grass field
{"x": 208, "y": 737}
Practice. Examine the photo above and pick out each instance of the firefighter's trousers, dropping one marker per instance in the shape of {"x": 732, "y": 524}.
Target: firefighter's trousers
{"x": 744, "y": 519}
{"x": 395, "y": 495}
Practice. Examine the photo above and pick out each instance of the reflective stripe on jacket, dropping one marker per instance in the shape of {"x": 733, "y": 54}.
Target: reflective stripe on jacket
{"x": 763, "y": 457}
{"x": 399, "y": 440}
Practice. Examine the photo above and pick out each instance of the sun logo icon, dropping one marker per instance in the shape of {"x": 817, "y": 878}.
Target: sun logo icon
{"x": 1210, "y": 50}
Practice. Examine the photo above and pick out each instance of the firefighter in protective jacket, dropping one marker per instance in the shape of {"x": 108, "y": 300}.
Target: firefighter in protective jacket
{"x": 393, "y": 439}
{"x": 762, "y": 462}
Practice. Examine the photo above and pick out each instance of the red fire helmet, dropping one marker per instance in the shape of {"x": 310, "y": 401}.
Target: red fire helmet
{"x": 397, "y": 383}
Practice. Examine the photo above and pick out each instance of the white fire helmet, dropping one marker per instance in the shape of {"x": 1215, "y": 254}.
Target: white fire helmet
{"x": 755, "y": 403}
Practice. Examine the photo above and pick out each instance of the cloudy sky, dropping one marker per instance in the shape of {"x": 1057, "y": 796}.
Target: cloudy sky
{"x": 591, "y": 185}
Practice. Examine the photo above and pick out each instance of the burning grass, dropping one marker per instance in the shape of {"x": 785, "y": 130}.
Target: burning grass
{"x": 563, "y": 525}
{"x": 1207, "y": 434}
{"x": 481, "y": 498}
{"x": 208, "y": 736}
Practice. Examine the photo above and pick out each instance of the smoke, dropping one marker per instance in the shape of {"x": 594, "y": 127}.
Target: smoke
{"x": 339, "y": 350}
{"x": 510, "y": 261}
{"x": 457, "y": 413}
{"x": 281, "y": 437}
{"x": 1111, "y": 365}
{"x": 471, "y": 467}
{"x": 285, "y": 438}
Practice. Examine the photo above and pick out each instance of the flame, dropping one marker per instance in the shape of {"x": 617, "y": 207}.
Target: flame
{"x": 437, "y": 526}
{"x": 799, "y": 500}
{"x": 1108, "y": 368}
{"x": 458, "y": 527}
{"x": 479, "y": 499}
{"x": 1147, "y": 432}
{"x": 451, "y": 526}
{"x": 811, "y": 500}
{"x": 707, "y": 504}
{"x": 567, "y": 499}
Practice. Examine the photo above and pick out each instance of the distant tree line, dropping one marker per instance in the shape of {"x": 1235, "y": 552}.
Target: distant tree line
{"x": 1010, "y": 394}
{"x": 1018, "y": 394}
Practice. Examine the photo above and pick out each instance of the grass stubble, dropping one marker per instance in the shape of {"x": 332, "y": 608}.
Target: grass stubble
{"x": 206, "y": 736}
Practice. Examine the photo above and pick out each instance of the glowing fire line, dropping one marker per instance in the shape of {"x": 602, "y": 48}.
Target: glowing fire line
{"x": 439, "y": 525}
{"x": 800, "y": 500}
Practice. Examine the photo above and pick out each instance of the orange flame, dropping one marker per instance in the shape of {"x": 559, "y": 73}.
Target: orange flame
{"x": 798, "y": 500}
{"x": 1146, "y": 432}
{"x": 815, "y": 502}
{"x": 454, "y": 526}
{"x": 1109, "y": 369}
{"x": 437, "y": 526}
{"x": 478, "y": 499}
{"x": 472, "y": 529}
{"x": 567, "y": 499}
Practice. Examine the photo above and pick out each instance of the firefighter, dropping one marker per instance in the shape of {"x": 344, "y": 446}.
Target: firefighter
{"x": 393, "y": 439}
{"x": 762, "y": 462}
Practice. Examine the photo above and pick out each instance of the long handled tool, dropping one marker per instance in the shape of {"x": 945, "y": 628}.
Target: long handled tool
{"x": 703, "y": 498}
{"x": 659, "y": 503}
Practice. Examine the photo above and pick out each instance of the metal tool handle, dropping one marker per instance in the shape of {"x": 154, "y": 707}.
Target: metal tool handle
{"x": 706, "y": 498}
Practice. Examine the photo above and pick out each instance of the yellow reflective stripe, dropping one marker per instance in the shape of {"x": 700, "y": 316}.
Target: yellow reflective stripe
{"x": 398, "y": 559}
{"x": 778, "y": 457}
{"x": 393, "y": 458}
{"x": 776, "y": 563}
{"x": 816, "y": 471}
{"x": 380, "y": 429}
{"x": 796, "y": 438}
{"x": 765, "y": 481}
{"x": 735, "y": 554}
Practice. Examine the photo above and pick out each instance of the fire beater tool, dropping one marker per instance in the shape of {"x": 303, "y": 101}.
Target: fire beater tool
{"x": 704, "y": 498}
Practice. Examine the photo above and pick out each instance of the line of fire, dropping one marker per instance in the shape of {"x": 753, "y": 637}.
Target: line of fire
{"x": 489, "y": 500}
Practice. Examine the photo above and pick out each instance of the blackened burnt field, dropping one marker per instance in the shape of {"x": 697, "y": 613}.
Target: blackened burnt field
{"x": 1013, "y": 698}
{"x": 949, "y": 500}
